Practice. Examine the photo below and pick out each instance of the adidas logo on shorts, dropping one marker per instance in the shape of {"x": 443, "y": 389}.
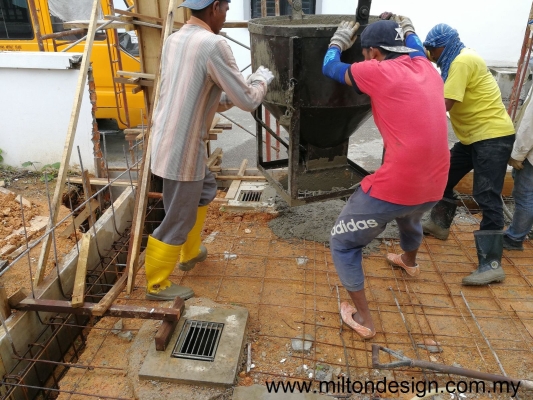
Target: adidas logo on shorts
{"x": 353, "y": 226}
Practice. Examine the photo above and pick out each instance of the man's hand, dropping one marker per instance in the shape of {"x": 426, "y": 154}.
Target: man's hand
{"x": 345, "y": 36}
{"x": 405, "y": 23}
{"x": 518, "y": 165}
{"x": 387, "y": 15}
{"x": 262, "y": 74}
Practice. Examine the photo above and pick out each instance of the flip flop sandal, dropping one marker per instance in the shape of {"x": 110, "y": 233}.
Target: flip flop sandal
{"x": 347, "y": 312}
{"x": 396, "y": 261}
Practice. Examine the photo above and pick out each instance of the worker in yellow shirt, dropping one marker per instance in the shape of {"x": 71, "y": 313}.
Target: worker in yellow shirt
{"x": 486, "y": 136}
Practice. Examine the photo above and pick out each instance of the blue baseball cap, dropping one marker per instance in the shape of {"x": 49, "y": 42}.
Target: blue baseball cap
{"x": 198, "y": 4}
{"x": 386, "y": 34}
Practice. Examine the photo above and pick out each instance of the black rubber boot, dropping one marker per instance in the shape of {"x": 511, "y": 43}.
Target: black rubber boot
{"x": 489, "y": 245}
{"x": 510, "y": 244}
{"x": 440, "y": 219}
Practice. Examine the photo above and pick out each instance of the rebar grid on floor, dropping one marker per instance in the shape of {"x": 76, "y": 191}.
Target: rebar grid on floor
{"x": 290, "y": 289}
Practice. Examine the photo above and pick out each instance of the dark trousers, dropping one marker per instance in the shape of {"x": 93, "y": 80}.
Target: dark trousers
{"x": 488, "y": 158}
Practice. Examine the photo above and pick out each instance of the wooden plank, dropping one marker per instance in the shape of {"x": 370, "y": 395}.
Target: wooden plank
{"x": 150, "y": 47}
{"x": 235, "y": 24}
{"x": 106, "y": 301}
{"x": 104, "y": 182}
{"x": 69, "y": 142}
{"x": 116, "y": 310}
{"x": 80, "y": 219}
{"x": 242, "y": 178}
{"x": 167, "y": 328}
{"x": 234, "y": 188}
{"x": 137, "y": 89}
{"x": 154, "y": 20}
{"x": 17, "y": 297}
{"x": 134, "y": 81}
{"x": 466, "y": 184}
{"x": 78, "y": 294}
{"x": 214, "y": 157}
{"x": 224, "y": 126}
{"x": 88, "y": 191}
{"x": 141, "y": 75}
{"x": 5, "y": 309}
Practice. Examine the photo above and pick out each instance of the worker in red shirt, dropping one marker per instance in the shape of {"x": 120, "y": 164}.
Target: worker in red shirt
{"x": 411, "y": 118}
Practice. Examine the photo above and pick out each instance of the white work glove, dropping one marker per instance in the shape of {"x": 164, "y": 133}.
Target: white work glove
{"x": 405, "y": 23}
{"x": 345, "y": 36}
{"x": 261, "y": 74}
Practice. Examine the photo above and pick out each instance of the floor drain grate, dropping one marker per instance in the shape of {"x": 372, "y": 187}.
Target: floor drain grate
{"x": 198, "y": 340}
{"x": 250, "y": 195}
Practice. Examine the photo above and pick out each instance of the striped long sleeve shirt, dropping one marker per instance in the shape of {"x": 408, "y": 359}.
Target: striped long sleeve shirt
{"x": 199, "y": 76}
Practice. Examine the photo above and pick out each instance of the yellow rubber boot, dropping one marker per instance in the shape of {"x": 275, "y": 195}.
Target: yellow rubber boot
{"x": 193, "y": 251}
{"x": 160, "y": 260}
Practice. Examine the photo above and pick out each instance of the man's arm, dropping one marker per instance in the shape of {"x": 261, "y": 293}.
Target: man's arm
{"x": 523, "y": 144}
{"x": 413, "y": 41}
{"x": 449, "y": 103}
{"x": 410, "y": 37}
{"x": 225, "y": 103}
{"x": 343, "y": 39}
{"x": 225, "y": 73}
{"x": 333, "y": 67}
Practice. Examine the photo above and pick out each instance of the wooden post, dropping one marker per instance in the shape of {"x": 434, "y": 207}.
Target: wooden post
{"x": 88, "y": 194}
{"x": 144, "y": 182}
{"x": 78, "y": 295}
{"x": 167, "y": 328}
{"x": 69, "y": 142}
{"x": 5, "y": 310}
{"x": 234, "y": 187}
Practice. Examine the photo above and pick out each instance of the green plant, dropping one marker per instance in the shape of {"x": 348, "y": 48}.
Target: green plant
{"x": 48, "y": 172}
{"x": 1, "y": 158}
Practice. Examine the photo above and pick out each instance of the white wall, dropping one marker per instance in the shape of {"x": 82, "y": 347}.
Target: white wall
{"x": 36, "y": 99}
{"x": 495, "y": 29}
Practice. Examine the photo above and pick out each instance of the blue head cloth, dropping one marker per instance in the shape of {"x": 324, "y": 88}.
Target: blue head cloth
{"x": 443, "y": 35}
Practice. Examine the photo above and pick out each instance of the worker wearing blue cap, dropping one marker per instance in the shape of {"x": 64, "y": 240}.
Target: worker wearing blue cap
{"x": 401, "y": 84}
{"x": 199, "y": 76}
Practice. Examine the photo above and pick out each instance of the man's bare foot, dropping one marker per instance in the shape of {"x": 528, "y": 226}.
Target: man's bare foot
{"x": 367, "y": 324}
{"x": 408, "y": 261}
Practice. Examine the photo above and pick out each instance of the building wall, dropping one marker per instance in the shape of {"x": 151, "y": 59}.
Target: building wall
{"x": 495, "y": 29}
{"x": 38, "y": 92}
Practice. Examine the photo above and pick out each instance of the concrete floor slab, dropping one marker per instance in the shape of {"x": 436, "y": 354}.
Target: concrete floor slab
{"x": 259, "y": 392}
{"x": 159, "y": 365}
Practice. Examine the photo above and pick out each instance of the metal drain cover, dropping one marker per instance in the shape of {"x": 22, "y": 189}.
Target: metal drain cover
{"x": 206, "y": 347}
{"x": 250, "y": 195}
{"x": 198, "y": 340}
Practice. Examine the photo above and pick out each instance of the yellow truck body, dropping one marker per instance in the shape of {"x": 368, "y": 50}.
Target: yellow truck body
{"x": 22, "y": 22}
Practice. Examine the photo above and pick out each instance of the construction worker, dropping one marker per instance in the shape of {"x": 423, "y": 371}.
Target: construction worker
{"x": 522, "y": 162}
{"x": 199, "y": 76}
{"x": 486, "y": 135}
{"x": 412, "y": 122}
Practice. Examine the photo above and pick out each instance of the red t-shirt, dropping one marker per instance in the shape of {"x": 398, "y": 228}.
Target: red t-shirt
{"x": 407, "y": 98}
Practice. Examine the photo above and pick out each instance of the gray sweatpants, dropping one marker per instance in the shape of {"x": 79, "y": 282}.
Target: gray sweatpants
{"x": 181, "y": 201}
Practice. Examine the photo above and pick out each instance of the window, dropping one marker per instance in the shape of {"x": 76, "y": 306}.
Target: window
{"x": 308, "y": 6}
{"x": 15, "y": 21}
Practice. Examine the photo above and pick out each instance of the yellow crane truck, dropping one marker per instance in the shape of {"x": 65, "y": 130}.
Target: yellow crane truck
{"x": 39, "y": 25}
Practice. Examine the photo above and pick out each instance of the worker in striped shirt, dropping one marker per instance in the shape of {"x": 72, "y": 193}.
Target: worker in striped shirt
{"x": 199, "y": 76}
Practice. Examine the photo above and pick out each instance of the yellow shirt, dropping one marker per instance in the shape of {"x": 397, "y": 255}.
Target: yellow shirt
{"x": 479, "y": 112}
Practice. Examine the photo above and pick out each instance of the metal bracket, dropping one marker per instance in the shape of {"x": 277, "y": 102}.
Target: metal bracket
{"x": 363, "y": 11}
